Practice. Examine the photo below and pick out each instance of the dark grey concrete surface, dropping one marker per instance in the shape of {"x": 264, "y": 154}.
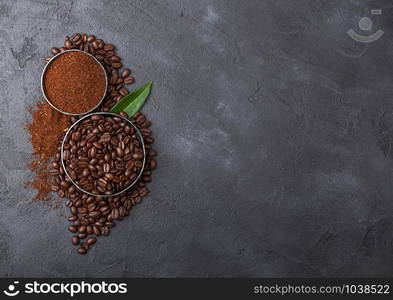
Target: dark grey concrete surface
{"x": 274, "y": 130}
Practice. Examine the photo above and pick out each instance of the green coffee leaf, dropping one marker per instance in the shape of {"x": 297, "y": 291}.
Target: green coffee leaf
{"x": 133, "y": 102}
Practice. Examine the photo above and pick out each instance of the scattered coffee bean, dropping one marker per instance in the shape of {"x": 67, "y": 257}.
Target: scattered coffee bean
{"x": 75, "y": 240}
{"x": 55, "y": 50}
{"x": 82, "y": 250}
{"x": 91, "y": 241}
{"x": 129, "y": 80}
{"x": 73, "y": 228}
{"x": 126, "y": 72}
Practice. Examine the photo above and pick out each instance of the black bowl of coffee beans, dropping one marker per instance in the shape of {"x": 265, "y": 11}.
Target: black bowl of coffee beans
{"x": 103, "y": 154}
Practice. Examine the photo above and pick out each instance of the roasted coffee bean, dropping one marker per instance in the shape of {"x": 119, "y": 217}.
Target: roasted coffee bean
{"x": 101, "y": 43}
{"x": 94, "y": 214}
{"x": 71, "y": 190}
{"x": 146, "y": 179}
{"x": 115, "y": 58}
{"x": 61, "y": 193}
{"x": 76, "y": 37}
{"x": 82, "y": 235}
{"x": 55, "y": 50}
{"x": 153, "y": 164}
{"x": 107, "y": 168}
{"x": 109, "y": 176}
{"x": 91, "y": 207}
{"x": 146, "y": 124}
{"x": 138, "y": 155}
{"x": 85, "y": 172}
{"x": 76, "y": 136}
{"x": 91, "y": 241}
{"x": 123, "y": 114}
{"x": 82, "y": 229}
{"x": 143, "y": 192}
{"x": 119, "y": 151}
{"x": 104, "y": 230}
{"x": 107, "y": 61}
{"x": 149, "y": 140}
{"x": 75, "y": 240}
{"x": 83, "y": 219}
{"x": 105, "y": 138}
{"x": 109, "y": 47}
{"x": 102, "y": 182}
{"x": 73, "y": 209}
{"x": 129, "y": 80}
{"x": 66, "y": 154}
{"x": 82, "y": 210}
{"x": 92, "y": 152}
{"x": 145, "y": 131}
{"x": 85, "y": 245}
{"x": 68, "y": 44}
{"x": 114, "y": 78}
{"x": 141, "y": 184}
{"x": 83, "y": 164}
{"x": 89, "y": 229}
{"x": 86, "y": 48}
{"x": 146, "y": 172}
{"x": 54, "y": 172}
{"x": 96, "y": 230}
{"x": 97, "y": 145}
{"x": 104, "y": 208}
{"x": 126, "y": 72}
{"x": 123, "y": 91}
{"x": 82, "y": 250}
{"x": 72, "y": 228}
{"x": 109, "y": 54}
{"x": 95, "y": 44}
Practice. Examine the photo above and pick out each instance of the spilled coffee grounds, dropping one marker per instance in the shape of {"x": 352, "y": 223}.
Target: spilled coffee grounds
{"x": 46, "y": 128}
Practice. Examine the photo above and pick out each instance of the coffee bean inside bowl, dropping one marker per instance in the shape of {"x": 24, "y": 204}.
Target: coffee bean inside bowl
{"x": 103, "y": 154}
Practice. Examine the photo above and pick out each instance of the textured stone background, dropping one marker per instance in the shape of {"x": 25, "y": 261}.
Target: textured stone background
{"x": 274, "y": 128}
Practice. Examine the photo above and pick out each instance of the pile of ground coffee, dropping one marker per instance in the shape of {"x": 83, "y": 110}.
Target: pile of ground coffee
{"x": 74, "y": 82}
{"x": 94, "y": 216}
{"x": 46, "y": 128}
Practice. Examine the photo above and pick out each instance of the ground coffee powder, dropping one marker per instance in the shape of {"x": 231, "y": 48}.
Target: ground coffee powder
{"x": 46, "y": 128}
{"x": 74, "y": 82}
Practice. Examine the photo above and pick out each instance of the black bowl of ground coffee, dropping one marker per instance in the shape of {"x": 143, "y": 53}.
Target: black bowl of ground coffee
{"x": 74, "y": 82}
